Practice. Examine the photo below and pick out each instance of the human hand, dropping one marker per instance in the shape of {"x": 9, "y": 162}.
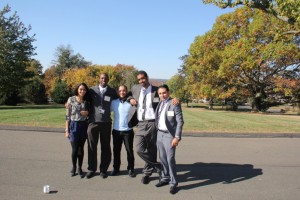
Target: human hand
{"x": 84, "y": 113}
{"x": 175, "y": 101}
{"x": 175, "y": 142}
{"x": 67, "y": 105}
{"x": 133, "y": 102}
{"x": 67, "y": 134}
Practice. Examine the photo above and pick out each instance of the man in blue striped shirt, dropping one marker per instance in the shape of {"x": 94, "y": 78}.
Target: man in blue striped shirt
{"x": 122, "y": 132}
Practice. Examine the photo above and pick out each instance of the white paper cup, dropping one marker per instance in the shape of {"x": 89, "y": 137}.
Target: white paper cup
{"x": 46, "y": 189}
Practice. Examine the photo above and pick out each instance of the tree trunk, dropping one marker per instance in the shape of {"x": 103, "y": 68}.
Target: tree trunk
{"x": 211, "y": 104}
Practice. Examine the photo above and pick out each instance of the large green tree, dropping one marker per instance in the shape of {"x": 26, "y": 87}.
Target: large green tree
{"x": 16, "y": 49}
{"x": 241, "y": 56}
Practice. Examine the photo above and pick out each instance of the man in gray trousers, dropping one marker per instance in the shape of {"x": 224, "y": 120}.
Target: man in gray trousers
{"x": 169, "y": 123}
{"x": 146, "y": 97}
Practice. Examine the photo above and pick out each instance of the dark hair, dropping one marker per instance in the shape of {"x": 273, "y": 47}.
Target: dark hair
{"x": 124, "y": 87}
{"x": 86, "y": 88}
{"x": 143, "y": 72}
{"x": 105, "y": 74}
{"x": 164, "y": 86}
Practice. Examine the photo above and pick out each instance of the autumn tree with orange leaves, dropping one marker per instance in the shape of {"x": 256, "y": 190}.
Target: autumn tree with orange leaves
{"x": 241, "y": 57}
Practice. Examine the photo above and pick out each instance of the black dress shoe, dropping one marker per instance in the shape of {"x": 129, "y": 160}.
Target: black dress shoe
{"x": 145, "y": 179}
{"x": 114, "y": 172}
{"x": 73, "y": 172}
{"x": 80, "y": 173}
{"x": 173, "y": 189}
{"x": 90, "y": 174}
{"x": 131, "y": 173}
{"x": 161, "y": 183}
{"x": 103, "y": 175}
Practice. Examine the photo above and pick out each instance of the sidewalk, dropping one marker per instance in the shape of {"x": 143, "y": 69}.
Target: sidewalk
{"x": 208, "y": 168}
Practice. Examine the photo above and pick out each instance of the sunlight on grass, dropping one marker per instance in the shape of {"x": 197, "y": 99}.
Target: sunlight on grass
{"x": 196, "y": 120}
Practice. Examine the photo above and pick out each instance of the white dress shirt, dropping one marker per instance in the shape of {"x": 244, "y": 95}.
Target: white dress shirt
{"x": 149, "y": 111}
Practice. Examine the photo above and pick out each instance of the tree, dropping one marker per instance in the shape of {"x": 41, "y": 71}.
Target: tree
{"x": 241, "y": 55}
{"x": 35, "y": 91}
{"x": 50, "y": 79}
{"x": 178, "y": 88}
{"x": 16, "y": 50}
{"x": 286, "y": 10}
{"x": 255, "y": 56}
{"x": 65, "y": 59}
{"x": 35, "y": 67}
{"x": 289, "y": 86}
{"x": 61, "y": 92}
{"x": 118, "y": 75}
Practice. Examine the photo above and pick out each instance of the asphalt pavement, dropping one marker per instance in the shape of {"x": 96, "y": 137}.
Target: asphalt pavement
{"x": 218, "y": 168}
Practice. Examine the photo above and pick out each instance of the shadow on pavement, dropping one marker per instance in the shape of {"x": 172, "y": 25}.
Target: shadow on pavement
{"x": 212, "y": 173}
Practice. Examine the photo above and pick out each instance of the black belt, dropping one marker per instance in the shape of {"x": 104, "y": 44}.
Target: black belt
{"x": 150, "y": 120}
{"x": 129, "y": 131}
{"x": 163, "y": 131}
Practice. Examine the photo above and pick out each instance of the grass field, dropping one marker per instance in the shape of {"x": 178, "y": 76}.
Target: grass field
{"x": 197, "y": 119}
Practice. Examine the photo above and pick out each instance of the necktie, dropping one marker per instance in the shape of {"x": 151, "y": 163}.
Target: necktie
{"x": 144, "y": 104}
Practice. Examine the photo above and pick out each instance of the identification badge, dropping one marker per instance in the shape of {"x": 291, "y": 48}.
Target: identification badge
{"x": 155, "y": 99}
{"x": 170, "y": 113}
{"x": 102, "y": 111}
{"x": 106, "y": 98}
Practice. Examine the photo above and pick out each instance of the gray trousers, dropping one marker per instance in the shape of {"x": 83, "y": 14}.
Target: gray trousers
{"x": 167, "y": 158}
{"x": 145, "y": 139}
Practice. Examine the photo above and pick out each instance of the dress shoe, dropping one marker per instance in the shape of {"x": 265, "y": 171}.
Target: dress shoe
{"x": 103, "y": 175}
{"x": 80, "y": 173}
{"x": 90, "y": 174}
{"x": 131, "y": 173}
{"x": 114, "y": 172}
{"x": 145, "y": 179}
{"x": 73, "y": 172}
{"x": 161, "y": 183}
{"x": 173, "y": 189}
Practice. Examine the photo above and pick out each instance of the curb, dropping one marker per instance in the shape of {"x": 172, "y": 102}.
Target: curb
{"x": 186, "y": 134}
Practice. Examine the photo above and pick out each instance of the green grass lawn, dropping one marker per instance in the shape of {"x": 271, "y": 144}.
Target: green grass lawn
{"x": 196, "y": 119}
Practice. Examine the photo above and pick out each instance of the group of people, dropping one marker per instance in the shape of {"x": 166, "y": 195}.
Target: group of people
{"x": 157, "y": 117}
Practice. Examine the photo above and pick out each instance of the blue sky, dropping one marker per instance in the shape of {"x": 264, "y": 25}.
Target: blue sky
{"x": 151, "y": 35}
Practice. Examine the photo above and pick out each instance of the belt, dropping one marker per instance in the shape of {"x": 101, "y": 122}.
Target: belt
{"x": 129, "y": 131}
{"x": 163, "y": 131}
{"x": 150, "y": 120}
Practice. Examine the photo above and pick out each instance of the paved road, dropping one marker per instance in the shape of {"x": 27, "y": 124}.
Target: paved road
{"x": 209, "y": 168}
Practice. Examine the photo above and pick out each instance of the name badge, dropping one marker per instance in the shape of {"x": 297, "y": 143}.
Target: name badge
{"x": 170, "y": 113}
{"x": 106, "y": 98}
{"x": 155, "y": 99}
{"x": 102, "y": 111}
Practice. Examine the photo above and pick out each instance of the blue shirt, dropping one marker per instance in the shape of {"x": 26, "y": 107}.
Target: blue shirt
{"x": 121, "y": 112}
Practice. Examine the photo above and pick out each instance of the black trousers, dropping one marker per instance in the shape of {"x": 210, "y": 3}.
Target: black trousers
{"x": 102, "y": 129}
{"x": 120, "y": 137}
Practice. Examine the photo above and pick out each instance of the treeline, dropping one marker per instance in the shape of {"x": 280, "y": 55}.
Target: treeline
{"x": 22, "y": 78}
{"x": 251, "y": 55}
